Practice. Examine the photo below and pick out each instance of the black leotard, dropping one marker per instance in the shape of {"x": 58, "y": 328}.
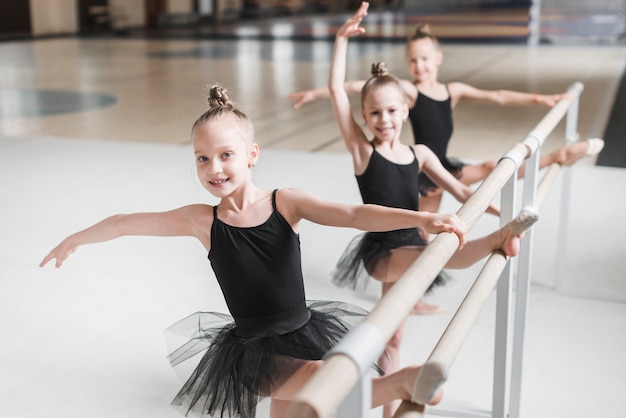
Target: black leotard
{"x": 432, "y": 125}
{"x": 273, "y": 331}
{"x": 261, "y": 293}
{"x": 388, "y": 184}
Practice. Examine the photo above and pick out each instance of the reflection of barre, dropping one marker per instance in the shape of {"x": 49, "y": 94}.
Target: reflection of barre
{"x": 329, "y": 386}
{"x": 435, "y": 371}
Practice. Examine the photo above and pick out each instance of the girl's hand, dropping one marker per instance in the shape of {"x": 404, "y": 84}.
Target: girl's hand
{"x": 302, "y": 97}
{"x": 351, "y": 27}
{"x": 60, "y": 253}
{"x": 447, "y": 223}
{"x": 550, "y": 100}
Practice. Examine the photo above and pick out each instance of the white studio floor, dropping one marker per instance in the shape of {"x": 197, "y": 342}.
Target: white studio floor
{"x": 87, "y": 340}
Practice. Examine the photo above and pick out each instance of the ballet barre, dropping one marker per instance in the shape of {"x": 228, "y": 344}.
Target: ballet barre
{"x": 348, "y": 363}
{"x": 434, "y": 372}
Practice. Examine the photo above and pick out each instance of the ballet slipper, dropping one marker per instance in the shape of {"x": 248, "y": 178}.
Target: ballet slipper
{"x": 594, "y": 146}
{"x": 423, "y": 308}
{"x": 427, "y": 387}
{"x": 516, "y": 229}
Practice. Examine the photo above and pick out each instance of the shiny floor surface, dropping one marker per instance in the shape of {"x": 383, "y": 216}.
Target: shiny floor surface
{"x": 91, "y": 127}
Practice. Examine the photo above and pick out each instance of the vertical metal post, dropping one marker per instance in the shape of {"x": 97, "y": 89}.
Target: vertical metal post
{"x": 534, "y": 26}
{"x": 571, "y": 135}
{"x": 523, "y": 287}
{"x": 500, "y": 395}
{"x": 358, "y": 403}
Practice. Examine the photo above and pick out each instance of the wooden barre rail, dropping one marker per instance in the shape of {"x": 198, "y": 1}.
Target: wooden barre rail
{"x": 435, "y": 370}
{"x": 322, "y": 394}
{"x": 546, "y": 183}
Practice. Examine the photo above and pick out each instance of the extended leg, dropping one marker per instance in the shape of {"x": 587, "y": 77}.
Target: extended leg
{"x": 505, "y": 239}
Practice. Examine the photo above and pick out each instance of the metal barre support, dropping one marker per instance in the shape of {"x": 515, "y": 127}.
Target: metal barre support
{"x": 442, "y": 357}
{"x": 362, "y": 354}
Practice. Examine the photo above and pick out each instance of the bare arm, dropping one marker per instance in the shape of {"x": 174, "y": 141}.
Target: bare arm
{"x": 184, "y": 221}
{"x": 462, "y": 91}
{"x": 354, "y": 138}
{"x": 299, "y": 204}
{"x": 433, "y": 168}
{"x": 351, "y": 87}
{"x": 307, "y": 96}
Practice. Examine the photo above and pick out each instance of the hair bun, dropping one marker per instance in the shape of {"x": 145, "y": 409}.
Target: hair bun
{"x": 379, "y": 69}
{"x": 422, "y": 30}
{"x": 218, "y": 97}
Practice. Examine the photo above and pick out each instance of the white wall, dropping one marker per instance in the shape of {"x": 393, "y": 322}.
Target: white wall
{"x": 53, "y": 16}
{"x": 179, "y": 6}
{"x": 127, "y": 13}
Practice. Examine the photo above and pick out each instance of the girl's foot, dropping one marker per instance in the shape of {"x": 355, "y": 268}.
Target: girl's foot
{"x": 515, "y": 230}
{"x": 410, "y": 375}
{"x": 571, "y": 153}
{"x": 423, "y": 308}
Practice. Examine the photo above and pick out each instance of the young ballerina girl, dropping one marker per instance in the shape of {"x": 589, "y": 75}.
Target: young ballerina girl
{"x": 430, "y": 113}
{"x": 274, "y": 340}
{"x": 387, "y": 174}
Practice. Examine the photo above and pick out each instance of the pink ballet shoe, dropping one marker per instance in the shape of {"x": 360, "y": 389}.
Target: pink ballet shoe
{"x": 516, "y": 230}
{"x": 594, "y": 146}
{"x": 573, "y": 152}
{"x": 427, "y": 385}
{"x": 524, "y": 220}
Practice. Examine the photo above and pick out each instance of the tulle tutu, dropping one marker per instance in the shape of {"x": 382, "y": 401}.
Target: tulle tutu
{"x": 454, "y": 166}
{"x": 235, "y": 373}
{"x": 366, "y": 250}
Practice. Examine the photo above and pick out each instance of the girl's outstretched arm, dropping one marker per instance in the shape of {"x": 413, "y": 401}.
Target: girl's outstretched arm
{"x": 297, "y": 204}
{"x": 307, "y": 96}
{"x": 461, "y": 91}
{"x": 184, "y": 221}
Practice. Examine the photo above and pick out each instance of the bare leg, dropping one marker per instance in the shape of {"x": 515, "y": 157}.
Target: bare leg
{"x": 289, "y": 389}
{"x": 569, "y": 154}
{"x": 278, "y": 408}
{"x": 431, "y": 202}
{"x": 471, "y": 174}
{"x": 389, "y": 270}
{"x": 398, "y": 385}
{"x": 423, "y": 308}
{"x": 566, "y": 155}
{"x": 385, "y": 389}
{"x": 389, "y": 361}
{"x": 505, "y": 239}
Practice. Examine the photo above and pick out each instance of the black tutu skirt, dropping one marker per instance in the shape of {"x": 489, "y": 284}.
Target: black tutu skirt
{"x": 367, "y": 250}
{"x": 426, "y": 185}
{"x": 235, "y": 373}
